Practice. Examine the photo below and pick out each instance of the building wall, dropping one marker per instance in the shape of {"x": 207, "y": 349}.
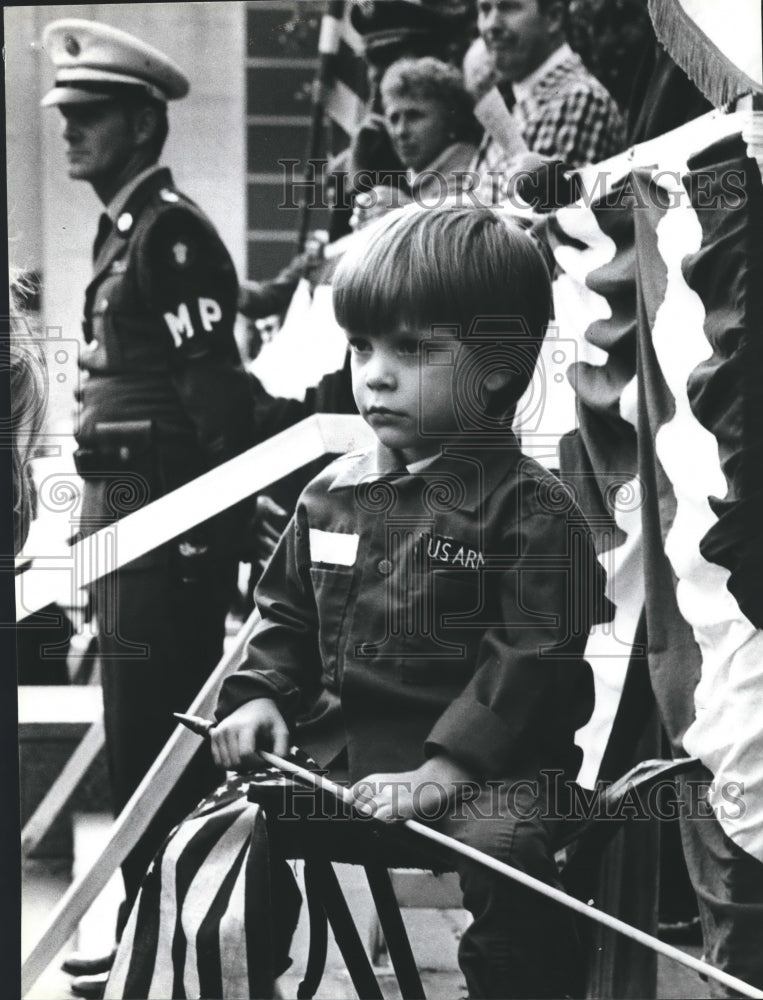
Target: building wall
{"x": 282, "y": 58}
{"x": 52, "y": 219}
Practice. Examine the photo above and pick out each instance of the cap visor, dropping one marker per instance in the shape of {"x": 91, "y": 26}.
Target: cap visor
{"x": 73, "y": 95}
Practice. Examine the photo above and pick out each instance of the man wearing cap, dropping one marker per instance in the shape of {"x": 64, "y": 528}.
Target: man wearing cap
{"x": 163, "y": 399}
{"x": 563, "y": 112}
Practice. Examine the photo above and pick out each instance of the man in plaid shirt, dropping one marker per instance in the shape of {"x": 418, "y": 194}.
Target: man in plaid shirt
{"x": 563, "y": 112}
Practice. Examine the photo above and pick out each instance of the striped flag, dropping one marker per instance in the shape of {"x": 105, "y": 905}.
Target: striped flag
{"x": 659, "y": 303}
{"x": 348, "y": 88}
{"x": 202, "y": 925}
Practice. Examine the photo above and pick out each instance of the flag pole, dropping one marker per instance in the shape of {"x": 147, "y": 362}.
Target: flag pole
{"x": 203, "y": 727}
{"x": 328, "y": 46}
{"x": 558, "y": 895}
{"x": 529, "y": 882}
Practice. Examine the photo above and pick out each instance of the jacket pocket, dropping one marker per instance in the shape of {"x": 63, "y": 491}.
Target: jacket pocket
{"x": 445, "y": 649}
{"x": 332, "y": 591}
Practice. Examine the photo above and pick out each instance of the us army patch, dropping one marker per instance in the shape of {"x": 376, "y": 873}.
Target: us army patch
{"x": 444, "y": 549}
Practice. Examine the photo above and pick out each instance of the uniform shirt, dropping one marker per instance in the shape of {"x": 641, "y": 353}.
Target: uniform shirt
{"x": 163, "y": 396}
{"x": 447, "y": 611}
{"x": 159, "y": 345}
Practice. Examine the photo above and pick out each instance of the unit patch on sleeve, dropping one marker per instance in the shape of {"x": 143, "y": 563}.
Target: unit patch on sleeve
{"x": 180, "y": 253}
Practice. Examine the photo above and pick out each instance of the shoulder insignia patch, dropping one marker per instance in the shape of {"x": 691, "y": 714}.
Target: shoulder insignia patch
{"x": 169, "y": 196}
{"x": 180, "y": 253}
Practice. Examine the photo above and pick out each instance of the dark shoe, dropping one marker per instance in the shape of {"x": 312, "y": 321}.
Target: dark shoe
{"x": 80, "y": 964}
{"x": 90, "y": 987}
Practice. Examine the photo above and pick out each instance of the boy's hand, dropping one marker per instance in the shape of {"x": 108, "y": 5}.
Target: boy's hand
{"x": 255, "y": 725}
{"x": 422, "y": 794}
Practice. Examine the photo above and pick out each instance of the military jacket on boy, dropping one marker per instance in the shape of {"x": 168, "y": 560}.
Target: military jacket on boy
{"x": 446, "y": 611}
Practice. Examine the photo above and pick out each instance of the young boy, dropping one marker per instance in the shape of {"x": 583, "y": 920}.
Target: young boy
{"x": 425, "y": 613}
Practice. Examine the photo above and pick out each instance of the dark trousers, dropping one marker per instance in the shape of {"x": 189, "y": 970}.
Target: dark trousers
{"x": 729, "y": 886}
{"x": 519, "y": 944}
{"x": 160, "y": 637}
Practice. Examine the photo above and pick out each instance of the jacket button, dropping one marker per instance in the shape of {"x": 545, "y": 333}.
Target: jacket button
{"x": 385, "y": 567}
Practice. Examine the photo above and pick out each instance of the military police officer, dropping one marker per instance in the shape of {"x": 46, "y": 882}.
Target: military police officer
{"x": 163, "y": 398}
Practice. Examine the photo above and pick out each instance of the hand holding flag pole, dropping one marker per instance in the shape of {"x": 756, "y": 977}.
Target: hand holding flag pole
{"x": 203, "y": 727}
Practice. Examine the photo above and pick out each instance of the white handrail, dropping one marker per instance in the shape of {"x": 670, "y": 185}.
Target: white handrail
{"x": 119, "y": 543}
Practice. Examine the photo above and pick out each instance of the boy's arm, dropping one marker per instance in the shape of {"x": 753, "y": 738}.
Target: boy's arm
{"x": 531, "y": 687}
{"x": 283, "y": 661}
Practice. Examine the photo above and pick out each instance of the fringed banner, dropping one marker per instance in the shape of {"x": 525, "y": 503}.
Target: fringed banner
{"x": 717, "y": 45}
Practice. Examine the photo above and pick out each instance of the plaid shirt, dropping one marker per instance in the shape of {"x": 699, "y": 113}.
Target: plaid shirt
{"x": 566, "y": 114}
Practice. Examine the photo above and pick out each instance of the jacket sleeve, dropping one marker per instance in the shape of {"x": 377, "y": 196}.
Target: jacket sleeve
{"x": 530, "y": 669}
{"x": 188, "y": 278}
{"x": 283, "y": 659}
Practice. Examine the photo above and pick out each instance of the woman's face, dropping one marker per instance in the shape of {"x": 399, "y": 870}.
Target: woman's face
{"x": 419, "y": 128}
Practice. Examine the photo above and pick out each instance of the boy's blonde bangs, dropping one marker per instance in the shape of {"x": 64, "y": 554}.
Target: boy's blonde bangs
{"x": 417, "y": 268}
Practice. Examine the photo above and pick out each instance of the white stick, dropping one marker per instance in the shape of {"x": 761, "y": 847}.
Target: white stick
{"x": 110, "y": 548}
{"x": 63, "y": 787}
{"x": 532, "y": 883}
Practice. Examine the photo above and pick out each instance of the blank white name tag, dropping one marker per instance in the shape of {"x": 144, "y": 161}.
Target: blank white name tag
{"x": 334, "y": 547}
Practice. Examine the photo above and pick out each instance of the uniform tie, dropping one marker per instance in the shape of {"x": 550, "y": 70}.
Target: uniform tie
{"x": 104, "y": 228}
{"x": 507, "y": 93}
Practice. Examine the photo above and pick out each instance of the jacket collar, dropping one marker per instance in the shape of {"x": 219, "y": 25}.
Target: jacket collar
{"x": 454, "y": 159}
{"x": 472, "y": 469}
{"x": 131, "y": 208}
{"x": 119, "y": 202}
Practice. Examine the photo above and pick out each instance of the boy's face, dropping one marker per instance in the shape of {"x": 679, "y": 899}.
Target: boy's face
{"x": 393, "y": 386}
